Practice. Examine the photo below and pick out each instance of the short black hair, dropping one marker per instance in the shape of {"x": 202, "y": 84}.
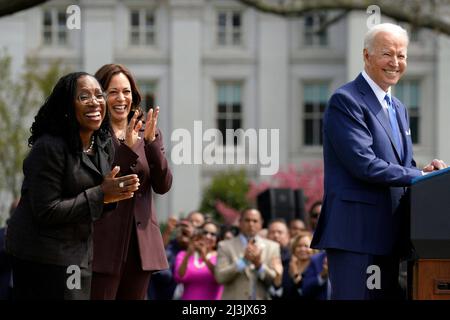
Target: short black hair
{"x": 224, "y": 228}
{"x": 279, "y": 220}
{"x": 244, "y": 211}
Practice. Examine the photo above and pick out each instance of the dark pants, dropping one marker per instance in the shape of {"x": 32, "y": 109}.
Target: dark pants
{"x": 351, "y": 277}
{"x": 40, "y": 281}
{"x": 130, "y": 284}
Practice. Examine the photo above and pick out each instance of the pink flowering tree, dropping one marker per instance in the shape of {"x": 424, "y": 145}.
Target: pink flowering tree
{"x": 308, "y": 177}
{"x": 226, "y": 196}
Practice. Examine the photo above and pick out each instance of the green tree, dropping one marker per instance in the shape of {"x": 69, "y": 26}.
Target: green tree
{"x": 20, "y": 98}
{"x": 231, "y": 188}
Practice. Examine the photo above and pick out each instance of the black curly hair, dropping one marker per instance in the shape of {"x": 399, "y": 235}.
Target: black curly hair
{"x": 57, "y": 115}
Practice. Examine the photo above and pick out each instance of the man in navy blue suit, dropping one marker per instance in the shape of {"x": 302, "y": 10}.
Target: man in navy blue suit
{"x": 368, "y": 160}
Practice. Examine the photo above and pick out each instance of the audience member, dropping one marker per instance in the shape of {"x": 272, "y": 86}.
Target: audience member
{"x": 194, "y": 267}
{"x": 295, "y": 227}
{"x": 245, "y": 263}
{"x": 278, "y": 232}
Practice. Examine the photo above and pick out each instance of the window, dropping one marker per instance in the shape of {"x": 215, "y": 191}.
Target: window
{"x": 142, "y": 27}
{"x": 229, "y": 28}
{"x": 315, "y": 100}
{"x": 229, "y": 108}
{"x": 408, "y": 92}
{"x": 147, "y": 90}
{"x": 312, "y": 24}
{"x": 413, "y": 33}
{"x": 55, "y": 31}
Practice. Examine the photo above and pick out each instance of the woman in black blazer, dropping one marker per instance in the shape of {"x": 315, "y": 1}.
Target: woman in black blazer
{"x": 67, "y": 183}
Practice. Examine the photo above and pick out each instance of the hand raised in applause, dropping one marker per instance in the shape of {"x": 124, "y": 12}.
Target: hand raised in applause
{"x": 277, "y": 265}
{"x": 324, "y": 273}
{"x": 172, "y": 223}
{"x": 253, "y": 254}
{"x": 132, "y": 133}
{"x": 293, "y": 268}
{"x": 150, "y": 125}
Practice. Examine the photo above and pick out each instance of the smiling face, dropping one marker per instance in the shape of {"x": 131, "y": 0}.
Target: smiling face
{"x": 385, "y": 63}
{"x": 210, "y": 233}
{"x": 91, "y": 112}
{"x": 119, "y": 97}
{"x": 302, "y": 250}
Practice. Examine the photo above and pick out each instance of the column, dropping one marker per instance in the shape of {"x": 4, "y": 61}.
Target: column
{"x": 356, "y": 29}
{"x": 97, "y": 26}
{"x": 272, "y": 104}
{"x": 184, "y": 88}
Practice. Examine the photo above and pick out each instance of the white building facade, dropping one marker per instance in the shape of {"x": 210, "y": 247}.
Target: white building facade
{"x": 229, "y": 66}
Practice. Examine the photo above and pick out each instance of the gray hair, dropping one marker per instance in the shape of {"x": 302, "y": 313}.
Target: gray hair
{"x": 383, "y": 27}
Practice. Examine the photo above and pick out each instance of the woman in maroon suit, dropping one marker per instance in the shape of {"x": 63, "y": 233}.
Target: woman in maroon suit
{"x": 127, "y": 242}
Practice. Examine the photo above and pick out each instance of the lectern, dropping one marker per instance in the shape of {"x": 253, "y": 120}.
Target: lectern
{"x": 430, "y": 236}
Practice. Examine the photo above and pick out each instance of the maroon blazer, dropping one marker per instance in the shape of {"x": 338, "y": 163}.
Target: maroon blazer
{"x": 112, "y": 232}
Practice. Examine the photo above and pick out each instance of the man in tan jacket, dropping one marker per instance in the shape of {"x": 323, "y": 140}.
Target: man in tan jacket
{"x": 245, "y": 263}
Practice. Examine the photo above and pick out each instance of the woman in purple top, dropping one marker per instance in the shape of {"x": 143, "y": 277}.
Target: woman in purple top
{"x": 194, "y": 268}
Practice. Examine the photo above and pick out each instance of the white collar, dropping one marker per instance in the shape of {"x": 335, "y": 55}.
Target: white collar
{"x": 379, "y": 93}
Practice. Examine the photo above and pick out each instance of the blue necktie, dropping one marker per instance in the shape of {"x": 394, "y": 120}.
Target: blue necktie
{"x": 394, "y": 125}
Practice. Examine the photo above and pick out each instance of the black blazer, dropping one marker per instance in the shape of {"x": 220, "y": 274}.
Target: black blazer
{"x": 61, "y": 197}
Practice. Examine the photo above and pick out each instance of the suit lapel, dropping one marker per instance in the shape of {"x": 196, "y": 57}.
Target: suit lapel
{"x": 105, "y": 166}
{"x": 103, "y": 158}
{"x": 376, "y": 108}
{"x": 88, "y": 163}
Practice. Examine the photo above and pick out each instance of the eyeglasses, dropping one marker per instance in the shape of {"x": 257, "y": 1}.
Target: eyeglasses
{"x": 86, "y": 98}
{"x": 213, "y": 234}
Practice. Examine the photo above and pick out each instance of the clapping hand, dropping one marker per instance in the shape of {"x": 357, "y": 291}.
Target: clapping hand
{"x": 150, "y": 127}
{"x": 253, "y": 254}
{"x": 132, "y": 133}
{"x": 197, "y": 245}
{"x": 324, "y": 273}
{"x": 293, "y": 266}
{"x": 278, "y": 267}
{"x": 121, "y": 188}
{"x": 172, "y": 223}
